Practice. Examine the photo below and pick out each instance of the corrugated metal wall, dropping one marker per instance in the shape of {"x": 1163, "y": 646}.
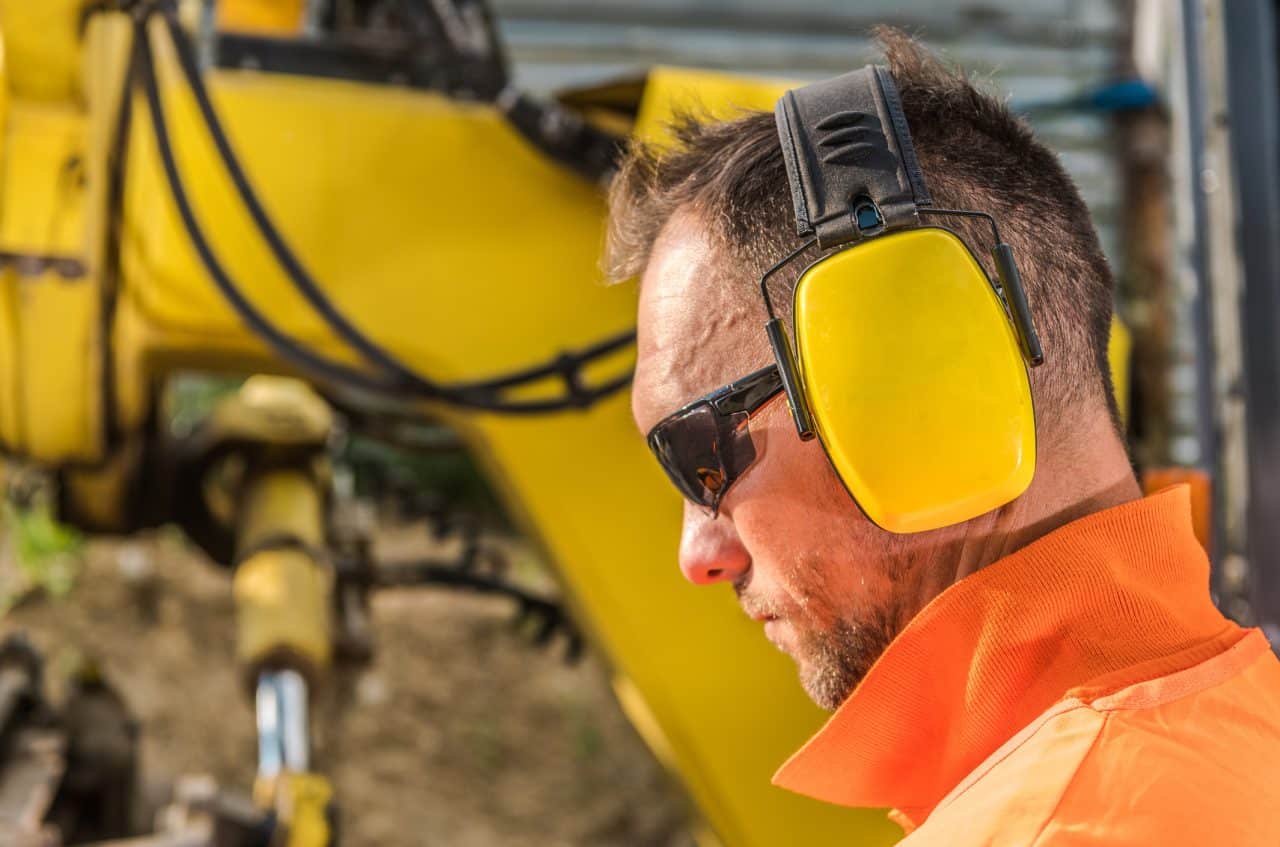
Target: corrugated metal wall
{"x": 1033, "y": 50}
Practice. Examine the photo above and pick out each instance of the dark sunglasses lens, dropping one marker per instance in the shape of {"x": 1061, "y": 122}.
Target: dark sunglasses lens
{"x": 687, "y": 447}
{"x": 703, "y": 452}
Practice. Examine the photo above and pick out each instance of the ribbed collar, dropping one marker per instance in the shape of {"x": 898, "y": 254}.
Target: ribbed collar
{"x": 1121, "y": 594}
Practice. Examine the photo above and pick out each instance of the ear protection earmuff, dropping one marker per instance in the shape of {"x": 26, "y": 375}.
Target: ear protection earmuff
{"x": 909, "y": 364}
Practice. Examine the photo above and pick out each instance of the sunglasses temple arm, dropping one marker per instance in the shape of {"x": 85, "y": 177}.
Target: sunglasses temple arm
{"x": 790, "y": 374}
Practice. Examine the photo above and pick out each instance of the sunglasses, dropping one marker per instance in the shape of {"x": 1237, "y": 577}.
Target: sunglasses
{"x": 706, "y": 446}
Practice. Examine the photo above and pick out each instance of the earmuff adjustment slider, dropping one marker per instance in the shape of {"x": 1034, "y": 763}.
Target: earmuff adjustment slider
{"x": 790, "y": 373}
{"x": 1015, "y": 296}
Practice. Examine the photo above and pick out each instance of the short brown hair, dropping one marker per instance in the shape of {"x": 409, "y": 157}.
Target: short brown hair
{"x": 975, "y": 154}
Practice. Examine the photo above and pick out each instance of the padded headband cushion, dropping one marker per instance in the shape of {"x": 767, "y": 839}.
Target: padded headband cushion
{"x": 846, "y": 138}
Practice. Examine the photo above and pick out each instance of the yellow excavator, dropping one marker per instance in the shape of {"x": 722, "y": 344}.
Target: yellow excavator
{"x": 348, "y": 203}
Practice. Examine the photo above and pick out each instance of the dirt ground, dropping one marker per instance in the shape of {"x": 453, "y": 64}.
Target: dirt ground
{"x": 459, "y": 733}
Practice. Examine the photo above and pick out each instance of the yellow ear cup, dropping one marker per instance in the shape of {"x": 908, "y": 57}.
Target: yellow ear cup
{"x": 915, "y": 380}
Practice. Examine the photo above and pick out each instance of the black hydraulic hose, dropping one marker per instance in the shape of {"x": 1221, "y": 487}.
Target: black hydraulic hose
{"x": 287, "y": 347}
{"x": 311, "y": 290}
{"x": 329, "y": 370}
{"x": 478, "y": 396}
{"x": 283, "y": 344}
{"x": 298, "y": 274}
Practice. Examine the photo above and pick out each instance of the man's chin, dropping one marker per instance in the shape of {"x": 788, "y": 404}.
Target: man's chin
{"x": 779, "y": 634}
{"x": 826, "y": 687}
{"x": 832, "y": 665}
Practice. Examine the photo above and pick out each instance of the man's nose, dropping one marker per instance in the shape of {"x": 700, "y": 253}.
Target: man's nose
{"x": 710, "y": 550}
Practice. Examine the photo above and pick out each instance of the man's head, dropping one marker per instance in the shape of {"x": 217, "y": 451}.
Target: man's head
{"x": 699, "y": 222}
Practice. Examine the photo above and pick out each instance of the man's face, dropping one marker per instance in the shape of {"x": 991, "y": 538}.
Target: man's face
{"x": 831, "y": 588}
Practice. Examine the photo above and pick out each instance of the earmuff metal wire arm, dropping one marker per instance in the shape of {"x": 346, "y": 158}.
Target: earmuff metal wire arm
{"x": 777, "y": 266}
{"x": 1011, "y": 287}
{"x": 788, "y": 367}
{"x": 965, "y": 213}
{"x": 467, "y": 395}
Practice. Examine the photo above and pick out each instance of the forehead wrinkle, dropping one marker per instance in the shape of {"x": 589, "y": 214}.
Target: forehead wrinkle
{"x": 692, "y": 351}
{"x": 693, "y": 323}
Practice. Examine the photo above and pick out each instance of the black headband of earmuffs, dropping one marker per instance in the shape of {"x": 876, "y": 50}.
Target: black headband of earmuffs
{"x": 845, "y": 140}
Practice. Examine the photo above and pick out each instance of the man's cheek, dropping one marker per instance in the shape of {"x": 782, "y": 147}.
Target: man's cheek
{"x": 816, "y": 584}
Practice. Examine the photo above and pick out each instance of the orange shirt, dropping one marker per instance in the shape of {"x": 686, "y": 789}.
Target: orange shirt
{"x": 1082, "y": 691}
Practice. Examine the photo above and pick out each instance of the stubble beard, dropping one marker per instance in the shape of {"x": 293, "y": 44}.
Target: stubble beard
{"x": 834, "y": 652}
{"x": 839, "y": 646}
{"x": 834, "y": 661}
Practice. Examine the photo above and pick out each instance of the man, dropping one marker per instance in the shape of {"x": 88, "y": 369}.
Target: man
{"x": 1051, "y": 671}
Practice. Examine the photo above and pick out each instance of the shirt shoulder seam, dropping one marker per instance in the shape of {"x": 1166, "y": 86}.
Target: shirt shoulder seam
{"x": 1014, "y": 744}
{"x": 1070, "y": 783}
{"x": 1208, "y": 674}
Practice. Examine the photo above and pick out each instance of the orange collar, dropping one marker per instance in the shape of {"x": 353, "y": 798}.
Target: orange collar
{"x": 1121, "y": 594}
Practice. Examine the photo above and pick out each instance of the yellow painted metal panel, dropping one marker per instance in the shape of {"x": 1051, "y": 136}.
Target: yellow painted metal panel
{"x": 705, "y": 95}
{"x": 42, "y": 201}
{"x": 42, "y": 45}
{"x": 4, "y": 78}
{"x": 10, "y": 363}
{"x": 105, "y": 56}
{"x": 57, "y": 396}
{"x": 268, "y": 17}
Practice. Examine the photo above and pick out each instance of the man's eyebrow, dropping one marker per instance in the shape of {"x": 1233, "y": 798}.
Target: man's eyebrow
{"x": 647, "y": 426}
{"x": 638, "y": 413}
{"x": 668, "y": 405}
{"x": 635, "y": 421}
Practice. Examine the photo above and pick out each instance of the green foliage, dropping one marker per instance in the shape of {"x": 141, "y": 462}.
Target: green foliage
{"x": 45, "y": 553}
{"x": 190, "y": 398}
